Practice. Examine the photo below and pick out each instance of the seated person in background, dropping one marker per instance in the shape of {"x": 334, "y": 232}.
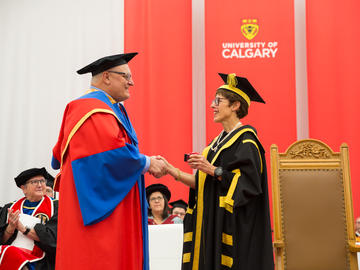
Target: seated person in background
{"x": 28, "y": 227}
{"x": 158, "y": 196}
{"x": 179, "y": 208}
{"x": 49, "y": 190}
{"x": 357, "y": 229}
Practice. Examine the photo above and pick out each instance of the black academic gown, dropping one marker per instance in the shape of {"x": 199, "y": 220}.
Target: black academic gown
{"x": 227, "y": 225}
{"x": 47, "y": 234}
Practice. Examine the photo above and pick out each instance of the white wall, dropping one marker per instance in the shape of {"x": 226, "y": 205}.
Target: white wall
{"x": 43, "y": 43}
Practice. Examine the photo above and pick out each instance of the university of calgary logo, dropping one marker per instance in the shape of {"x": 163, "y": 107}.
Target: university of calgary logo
{"x": 249, "y": 28}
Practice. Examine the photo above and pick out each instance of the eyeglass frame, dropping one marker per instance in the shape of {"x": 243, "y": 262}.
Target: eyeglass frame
{"x": 37, "y": 181}
{"x": 179, "y": 214}
{"x": 159, "y": 198}
{"x": 217, "y": 101}
{"x": 126, "y": 76}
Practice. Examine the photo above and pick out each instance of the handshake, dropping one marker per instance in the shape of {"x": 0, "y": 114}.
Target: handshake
{"x": 158, "y": 166}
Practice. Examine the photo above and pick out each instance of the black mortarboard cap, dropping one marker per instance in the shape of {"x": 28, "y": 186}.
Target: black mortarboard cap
{"x": 158, "y": 187}
{"x": 107, "y": 62}
{"x": 26, "y": 175}
{"x": 50, "y": 180}
{"x": 179, "y": 203}
{"x": 240, "y": 86}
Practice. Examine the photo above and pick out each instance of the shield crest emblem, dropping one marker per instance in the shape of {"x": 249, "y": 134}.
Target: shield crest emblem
{"x": 249, "y": 28}
{"x": 43, "y": 218}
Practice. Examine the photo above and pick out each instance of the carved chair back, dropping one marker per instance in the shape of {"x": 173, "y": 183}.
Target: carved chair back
{"x": 312, "y": 203}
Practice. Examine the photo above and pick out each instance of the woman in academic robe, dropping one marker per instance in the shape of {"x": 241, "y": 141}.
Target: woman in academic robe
{"x": 158, "y": 196}
{"x": 227, "y": 224}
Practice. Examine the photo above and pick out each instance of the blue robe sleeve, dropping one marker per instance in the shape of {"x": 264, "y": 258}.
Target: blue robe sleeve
{"x": 104, "y": 179}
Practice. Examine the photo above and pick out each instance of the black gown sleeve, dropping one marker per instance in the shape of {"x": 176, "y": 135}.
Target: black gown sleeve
{"x": 47, "y": 234}
{"x": 3, "y": 214}
{"x": 3, "y": 225}
{"x": 242, "y": 176}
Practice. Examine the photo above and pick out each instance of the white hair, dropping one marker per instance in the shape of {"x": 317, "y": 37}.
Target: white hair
{"x": 95, "y": 79}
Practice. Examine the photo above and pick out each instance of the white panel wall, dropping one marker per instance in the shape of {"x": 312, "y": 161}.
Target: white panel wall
{"x": 43, "y": 43}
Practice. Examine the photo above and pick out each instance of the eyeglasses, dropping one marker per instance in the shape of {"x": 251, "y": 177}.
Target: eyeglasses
{"x": 127, "y": 76}
{"x": 217, "y": 101}
{"x": 35, "y": 182}
{"x": 156, "y": 199}
{"x": 178, "y": 214}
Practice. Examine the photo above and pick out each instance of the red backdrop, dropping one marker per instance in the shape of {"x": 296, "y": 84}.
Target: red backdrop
{"x": 333, "y": 42}
{"x": 161, "y": 100}
{"x": 273, "y": 77}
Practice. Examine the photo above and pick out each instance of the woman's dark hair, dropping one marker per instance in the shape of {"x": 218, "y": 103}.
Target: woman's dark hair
{"x": 166, "y": 210}
{"x": 232, "y": 97}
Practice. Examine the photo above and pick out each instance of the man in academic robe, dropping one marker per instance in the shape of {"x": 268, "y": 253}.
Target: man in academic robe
{"x": 28, "y": 226}
{"x": 103, "y": 207}
{"x": 179, "y": 208}
{"x": 50, "y": 187}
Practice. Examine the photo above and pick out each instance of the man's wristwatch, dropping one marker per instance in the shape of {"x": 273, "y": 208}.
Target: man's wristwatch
{"x": 218, "y": 172}
{"x": 26, "y": 231}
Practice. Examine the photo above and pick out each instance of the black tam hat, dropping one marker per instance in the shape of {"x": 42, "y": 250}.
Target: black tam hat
{"x": 240, "y": 86}
{"x": 158, "y": 187}
{"x": 26, "y": 175}
{"x": 107, "y": 62}
{"x": 50, "y": 180}
{"x": 179, "y": 203}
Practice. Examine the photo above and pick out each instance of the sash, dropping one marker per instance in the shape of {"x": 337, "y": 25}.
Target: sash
{"x": 15, "y": 257}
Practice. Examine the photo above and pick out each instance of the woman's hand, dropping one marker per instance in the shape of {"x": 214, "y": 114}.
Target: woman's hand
{"x": 185, "y": 178}
{"x": 199, "y": 162}
{"x": 170, "y": 169}
{"x": 14, "y": 217}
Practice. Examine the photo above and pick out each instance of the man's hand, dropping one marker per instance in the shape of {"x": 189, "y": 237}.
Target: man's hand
{"x": 170, "y": 169}
{"x": 157, "y": 167}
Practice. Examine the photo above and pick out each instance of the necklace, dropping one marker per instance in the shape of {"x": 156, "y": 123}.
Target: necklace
{"x": 218, "y": 141}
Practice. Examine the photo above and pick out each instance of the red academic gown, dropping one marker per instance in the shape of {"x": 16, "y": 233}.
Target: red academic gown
{"x": 112, "y": 237}
{"x": 168, "y": 220}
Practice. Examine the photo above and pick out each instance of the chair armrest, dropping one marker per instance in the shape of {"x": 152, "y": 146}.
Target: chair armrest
{"x": 278, "y": 244}
{"x": 353, "y": 247}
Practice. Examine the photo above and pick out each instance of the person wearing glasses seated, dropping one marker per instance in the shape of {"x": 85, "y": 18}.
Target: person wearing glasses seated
{"x": 179, "y": 208}
{"x": 158, "y": 196}
{"x": 50, "y": 187}
{"x": 227, "y": 224}
{"x": 28, "y": 226}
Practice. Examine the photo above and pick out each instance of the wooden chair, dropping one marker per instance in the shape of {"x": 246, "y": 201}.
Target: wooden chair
{"x": 312, "y": 207}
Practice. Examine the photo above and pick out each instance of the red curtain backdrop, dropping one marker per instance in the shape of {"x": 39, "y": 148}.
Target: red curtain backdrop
{"x": 160, "y": 106}
{"x": 272, "y": 73}
{"x": 333, "y": 42}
